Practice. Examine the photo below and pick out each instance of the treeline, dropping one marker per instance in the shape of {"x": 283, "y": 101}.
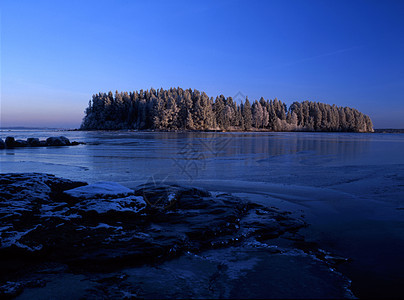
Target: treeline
{"x": 178, "y": 109}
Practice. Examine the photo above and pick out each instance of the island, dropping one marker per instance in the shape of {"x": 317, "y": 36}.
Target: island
{"x": 178, "y": 109}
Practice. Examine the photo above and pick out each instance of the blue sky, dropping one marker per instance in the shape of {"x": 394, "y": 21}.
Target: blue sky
{"x": 56, "y": 54}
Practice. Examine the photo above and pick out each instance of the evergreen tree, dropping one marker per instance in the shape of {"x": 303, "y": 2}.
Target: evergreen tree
{"x": 257, "y": 114}
{"x": 247, "y": 114}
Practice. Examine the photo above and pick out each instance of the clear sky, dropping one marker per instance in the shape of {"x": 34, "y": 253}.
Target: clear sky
{"x": 56, "y": 54}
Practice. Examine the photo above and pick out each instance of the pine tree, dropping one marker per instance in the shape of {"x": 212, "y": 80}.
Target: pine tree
{"x": 257, "y": 114}
{"x": 247, "y": 114}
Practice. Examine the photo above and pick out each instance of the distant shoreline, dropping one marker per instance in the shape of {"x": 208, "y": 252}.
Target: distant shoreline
{"x": 378, "y": 130}
{"x": 388, "y": 130}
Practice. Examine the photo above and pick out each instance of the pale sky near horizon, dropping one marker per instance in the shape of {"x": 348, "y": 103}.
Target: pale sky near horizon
{"x": 55, "y": 55}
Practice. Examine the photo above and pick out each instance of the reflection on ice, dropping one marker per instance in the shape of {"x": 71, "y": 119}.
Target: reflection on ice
{"x": 304, "y": 159}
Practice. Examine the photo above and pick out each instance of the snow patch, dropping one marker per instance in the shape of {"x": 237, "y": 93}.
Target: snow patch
{"x": 106, "y": 226}
{"x": 132, "y": 204}
{"x": 99, "y": 189}
{"x": 13, "y": 238}
{"x": 4, "y": 228}
{"x": 51, "y": 211}
{"x": 171, "y": 197}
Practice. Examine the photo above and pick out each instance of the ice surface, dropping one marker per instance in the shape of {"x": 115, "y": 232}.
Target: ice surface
{"x": 348, "y": 185}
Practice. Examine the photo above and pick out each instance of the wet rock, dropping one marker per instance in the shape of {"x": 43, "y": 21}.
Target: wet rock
{"x": 2, "y": 144}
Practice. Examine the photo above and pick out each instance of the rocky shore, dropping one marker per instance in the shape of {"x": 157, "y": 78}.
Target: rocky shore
{"x": 11, "y": 142}
{"x": 66, "y": 239}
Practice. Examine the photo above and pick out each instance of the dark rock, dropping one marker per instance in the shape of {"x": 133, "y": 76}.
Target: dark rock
{"x": 106, "y": 224}
{"x": 58, "y": 141}
{"x": 54, "y": 141}
{"x": 10, "y": 142}
{"x": 9, "y": 289}
{"x": 20, "y": 143}
{"x": 164, "y": 196}
{"x": 33, "y": 142}
{"x": 64, "y": 140}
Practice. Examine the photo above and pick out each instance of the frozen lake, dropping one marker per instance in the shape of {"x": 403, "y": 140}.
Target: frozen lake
{"x": 349, "y": 186}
